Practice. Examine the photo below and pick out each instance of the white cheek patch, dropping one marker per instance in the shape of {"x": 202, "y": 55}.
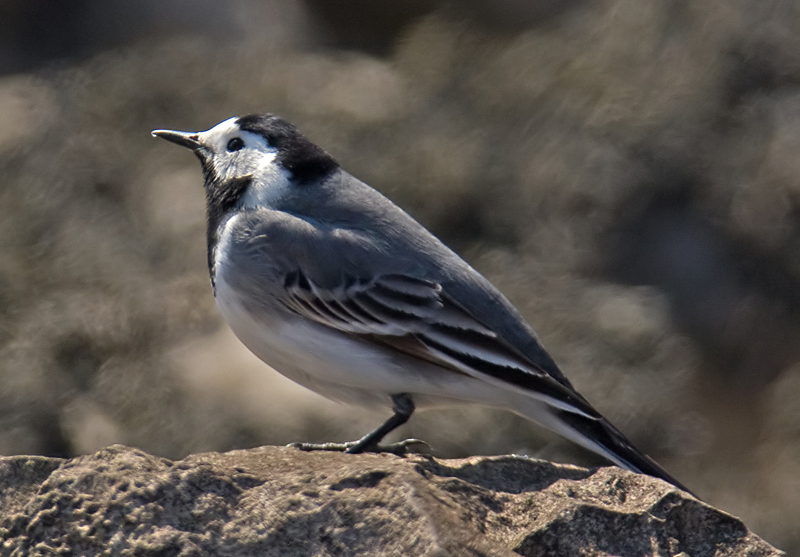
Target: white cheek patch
{"x": 247, "y": 161}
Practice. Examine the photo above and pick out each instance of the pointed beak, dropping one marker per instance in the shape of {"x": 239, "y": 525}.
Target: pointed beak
{"x": 184, "y": 139}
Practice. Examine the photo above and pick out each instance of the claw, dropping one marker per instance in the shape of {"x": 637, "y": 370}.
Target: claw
{"x": 407, "y": 446}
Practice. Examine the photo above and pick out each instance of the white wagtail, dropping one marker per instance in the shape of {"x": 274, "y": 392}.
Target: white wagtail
{"x": 340, "y": 290}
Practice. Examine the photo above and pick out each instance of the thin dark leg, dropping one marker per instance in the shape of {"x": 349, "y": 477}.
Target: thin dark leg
{"x": 403, "y": 407}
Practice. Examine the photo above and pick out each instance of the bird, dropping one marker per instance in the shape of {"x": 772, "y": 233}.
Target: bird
{"x": 339, "y": 289}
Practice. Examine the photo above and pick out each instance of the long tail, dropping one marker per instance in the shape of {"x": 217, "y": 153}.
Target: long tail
{"x": 599, "y": 436}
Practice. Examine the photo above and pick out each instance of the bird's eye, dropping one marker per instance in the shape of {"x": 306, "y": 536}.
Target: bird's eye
{"x": 235, "y": 144}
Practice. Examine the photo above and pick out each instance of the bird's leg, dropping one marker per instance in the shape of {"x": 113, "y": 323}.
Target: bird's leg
{"x": 403, "y": 407}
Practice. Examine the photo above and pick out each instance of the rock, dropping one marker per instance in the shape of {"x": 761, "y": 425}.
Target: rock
{"x": 275, "y": 501}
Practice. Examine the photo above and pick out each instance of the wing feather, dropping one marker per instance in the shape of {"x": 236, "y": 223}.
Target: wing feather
{"x": 416, "y": 317}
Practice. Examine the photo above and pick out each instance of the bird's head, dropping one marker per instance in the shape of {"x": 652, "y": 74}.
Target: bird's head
{"x": 251, "y": 160}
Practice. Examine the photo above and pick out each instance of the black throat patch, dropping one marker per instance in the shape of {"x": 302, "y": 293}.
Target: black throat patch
{"x": 221, "y": 197}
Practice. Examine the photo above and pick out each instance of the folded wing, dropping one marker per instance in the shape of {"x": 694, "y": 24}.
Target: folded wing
{"x": 417, "y": 317}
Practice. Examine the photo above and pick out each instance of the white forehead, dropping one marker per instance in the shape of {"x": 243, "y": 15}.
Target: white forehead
{"x": 223, "y": 129}
{"x": 217, "y": 137}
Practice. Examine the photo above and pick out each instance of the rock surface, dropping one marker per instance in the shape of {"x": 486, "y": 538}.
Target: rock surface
{"x": 283, "y": 502}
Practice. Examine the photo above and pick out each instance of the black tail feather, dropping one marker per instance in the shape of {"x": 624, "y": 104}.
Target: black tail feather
{"x": 615, "y": 446}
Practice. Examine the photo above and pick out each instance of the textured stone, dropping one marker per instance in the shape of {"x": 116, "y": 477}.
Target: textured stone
{"x": 283, "y": 502}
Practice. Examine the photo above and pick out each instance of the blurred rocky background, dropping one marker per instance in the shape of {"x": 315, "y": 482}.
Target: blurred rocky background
{"x": 626, "y": 172}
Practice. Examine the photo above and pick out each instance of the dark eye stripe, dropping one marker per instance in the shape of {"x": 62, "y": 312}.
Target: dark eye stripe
{"x": 235, "y": 144}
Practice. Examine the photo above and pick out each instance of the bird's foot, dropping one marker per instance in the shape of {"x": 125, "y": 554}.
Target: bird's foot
{"x": 401, "y": 448}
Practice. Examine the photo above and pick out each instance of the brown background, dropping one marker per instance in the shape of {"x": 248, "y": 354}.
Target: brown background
{"x": 626, "y": 172}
